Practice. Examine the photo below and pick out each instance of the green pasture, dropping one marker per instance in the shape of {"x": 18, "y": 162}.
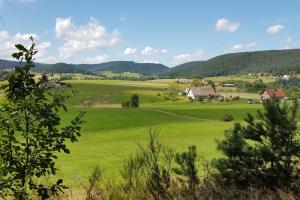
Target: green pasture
{"x": 110, "y": 74}
{"x": 111, "y": 135}
{"x": 240, "y": 78}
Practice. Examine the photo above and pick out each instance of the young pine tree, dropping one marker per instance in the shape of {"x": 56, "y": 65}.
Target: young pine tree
{"x": 188, "y": 168}
{"x": 29, "y": 134}
{"x": 265, "y": 152}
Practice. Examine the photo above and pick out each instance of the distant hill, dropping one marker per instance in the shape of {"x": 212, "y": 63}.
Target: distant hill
{"x": 126, "y": 66}
{"x": 46, "y": 68}
{"x": 115, "y": 66}
{"x": 272, "y": 61}
{"x": 60, "y": 68}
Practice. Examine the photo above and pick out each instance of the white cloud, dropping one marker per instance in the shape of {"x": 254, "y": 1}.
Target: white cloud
{"x": 151, "y": 61}
{"x": 242, "y": 47}
{"x": 26, "y": 1}
{"x": 42, "y": 48}
{"x": 275, "y": 29}
{"x": 2, "y": 2}
{"x": 95, "y": 59}
{"x": 91, "y": 36}
{"x": 130, "y": 51}
{"x": 123, "y": 18}
{"x": 164, "y": 51}
{"x": 225, "y": 25}
{"x": 149, "y": 51}
{"x": 289, "y": 40}
{"x": 287, "y": 43}
{"x": 9, "y": 41}
{"x": 187, "y": 57}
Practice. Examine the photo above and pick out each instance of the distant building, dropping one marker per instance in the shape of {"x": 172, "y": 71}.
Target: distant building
{"x": 286, "y": 77}
{"x": 195, "y": 92}
{"x": 269, "y": 93}
{"x": 228, "y": 85}
{"x": 52, "y": 84}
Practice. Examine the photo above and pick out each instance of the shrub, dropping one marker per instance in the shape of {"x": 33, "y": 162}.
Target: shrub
{"x": 134, "y": 101}
{"x": 125, "y": 104}
{"x": 200, "y": 98}
{"x": 227, "y": 118}
{"x": 265, "y": 152}
{"x": 30, "y": 133}
{"x": 149, "y": 171}
{"x": 188, "y": 169}
{"x": 235, "y": 98}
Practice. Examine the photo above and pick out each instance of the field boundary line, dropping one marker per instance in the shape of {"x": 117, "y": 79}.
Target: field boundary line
{"x": 179, "y": 116}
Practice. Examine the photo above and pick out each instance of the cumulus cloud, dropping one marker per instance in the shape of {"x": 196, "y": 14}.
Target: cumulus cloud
{"x": 275, "y": 29}
{"x": 289, "y": 40}
{"x": 96, "y": 59}
{"x": 91, "y": 36}
{"x": 9, "y": 41}
{"x": 130, "y": 51}
{"x": 187, "y": 57}
{"x": 149, "y": 51}
{"x": 242, "y": 47}
{"x": 287, "y": 43}
{"x": 151, "y": 61}
{"x": 226, "y": 25}
{"x": 164, "y": 51}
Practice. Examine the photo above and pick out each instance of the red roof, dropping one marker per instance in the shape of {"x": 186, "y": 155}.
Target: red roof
{"x": 275, "y": 92}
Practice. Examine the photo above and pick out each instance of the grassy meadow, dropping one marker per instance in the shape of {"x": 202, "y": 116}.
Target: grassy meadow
{"x": 111, "y": 134}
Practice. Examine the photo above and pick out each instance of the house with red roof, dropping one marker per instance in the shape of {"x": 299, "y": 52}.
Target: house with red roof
{"x": 271, "y": 93}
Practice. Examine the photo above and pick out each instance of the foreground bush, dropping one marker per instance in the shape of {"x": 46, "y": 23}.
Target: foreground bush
{"x": 30, "y": 137}
{"x": 265, "y": 152}
{"x": 155, "y": 172}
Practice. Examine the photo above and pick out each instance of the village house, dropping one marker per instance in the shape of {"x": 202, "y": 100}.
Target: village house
{"x": 195, "y": 92}
{"x": 269, "y": 93}
{"x": 286, "y": 77}
{"x": 53, "y": 84}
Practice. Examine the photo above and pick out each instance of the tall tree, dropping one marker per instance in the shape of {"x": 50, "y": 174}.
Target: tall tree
{"x": 29, "y": 134}
{"x": 266, "y": 151}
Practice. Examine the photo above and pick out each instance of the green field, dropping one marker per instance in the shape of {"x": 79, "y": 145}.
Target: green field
{"x": 110, "y": 135}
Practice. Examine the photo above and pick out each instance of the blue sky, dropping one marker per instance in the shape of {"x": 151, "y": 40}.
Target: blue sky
{"x": 165, "y": 31}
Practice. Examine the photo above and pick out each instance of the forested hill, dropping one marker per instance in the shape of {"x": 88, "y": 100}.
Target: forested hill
{"x": 272, "y": 61}
{"x": 126, "y": 66}
{"x": 115, "y": 66}
{"x": 46, "y": 68}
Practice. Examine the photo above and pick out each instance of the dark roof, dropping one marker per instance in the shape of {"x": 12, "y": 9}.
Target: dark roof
{"x": 274, "y": 92}
{"x": 203, "y": 91}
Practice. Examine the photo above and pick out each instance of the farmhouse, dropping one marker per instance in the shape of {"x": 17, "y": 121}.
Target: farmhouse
{"x": 53, "y": 84}
{"x": 272, "y": 93}
{"x": 195, "y": 92}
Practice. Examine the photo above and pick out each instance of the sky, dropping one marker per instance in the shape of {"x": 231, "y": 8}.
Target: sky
{"x": 170, "y": 32}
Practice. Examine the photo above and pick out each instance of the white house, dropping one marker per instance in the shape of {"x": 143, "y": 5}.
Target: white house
{"x": 195, "y": 92}
{"x": 286, "y": 77}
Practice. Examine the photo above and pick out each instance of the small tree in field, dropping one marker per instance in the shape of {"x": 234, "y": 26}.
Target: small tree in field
{"x": 266, "y": 152}
{"x": 135, "y": 101}
{"x": 29, "y": 135}
{"x": 172, "y": 91}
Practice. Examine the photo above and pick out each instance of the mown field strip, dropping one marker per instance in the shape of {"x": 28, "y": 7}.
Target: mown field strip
{"x": 179, "y": 116}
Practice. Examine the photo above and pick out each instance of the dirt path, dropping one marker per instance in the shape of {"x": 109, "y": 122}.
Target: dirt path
{"x": 101, "y": 106}
{"x": 179, "y": 116}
